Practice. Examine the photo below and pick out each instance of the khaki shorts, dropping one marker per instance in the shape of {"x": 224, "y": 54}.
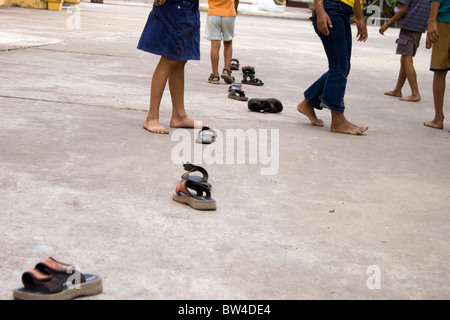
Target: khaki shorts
{"x": 219, "y": 28}
{"x": 440, "y": 56}
{"x": 408, "y": 41}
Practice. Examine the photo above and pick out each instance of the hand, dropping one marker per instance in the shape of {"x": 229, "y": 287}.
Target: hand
{"x": 323, "y": 22}
{"x": 382, "y": 29}
{"x": 432, "y": 32}
{"x": 362, "y": 34}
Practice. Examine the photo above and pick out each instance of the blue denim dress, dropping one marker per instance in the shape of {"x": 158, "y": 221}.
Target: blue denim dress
{"x": 173, "y": 30}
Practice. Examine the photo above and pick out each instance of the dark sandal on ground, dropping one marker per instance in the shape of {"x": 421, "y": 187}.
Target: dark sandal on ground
{"x": 213, "y": 78}
{"x": 252, "y": 80}
{"x": 248, "y": 69}
{"x": 270, "y": 105}
{"x": 195, "y": 194}
{"x": 53, "y": 280}
{"x": 234, "y": 64}
{"x": 206, "y": 135}
{"x": 190, "y": 174}
{"x": 235, "y": 92}
{"x": 226, "y": 76}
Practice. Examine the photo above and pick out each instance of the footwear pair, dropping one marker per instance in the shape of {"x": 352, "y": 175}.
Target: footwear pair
{"x": 226, "y": 76}
{"x": 195, "y": 190}
{"x": 54, "y": 280}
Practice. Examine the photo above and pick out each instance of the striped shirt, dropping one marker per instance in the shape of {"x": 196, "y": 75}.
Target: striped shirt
{"x": 416, "y": 18}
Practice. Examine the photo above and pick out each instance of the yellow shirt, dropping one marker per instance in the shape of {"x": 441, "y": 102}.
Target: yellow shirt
{"x": 223, "y": 8}
{"x": 351, "y": 3}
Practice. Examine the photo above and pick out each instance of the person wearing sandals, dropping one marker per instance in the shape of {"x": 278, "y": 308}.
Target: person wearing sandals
{"x": 173, "y": 32}
{"x": 332, "y": 23}
{"x": 220, "y": 27}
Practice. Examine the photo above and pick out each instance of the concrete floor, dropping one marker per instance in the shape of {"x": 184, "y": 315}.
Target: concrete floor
{"x": 310, "y": 215}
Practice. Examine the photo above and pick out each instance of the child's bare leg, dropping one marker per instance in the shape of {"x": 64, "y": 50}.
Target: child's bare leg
{"x": 438, "y": 95}
{"x": 305, "y": 108}
{"x": 159, "y": 79}
{"x": 397, "y": 92}
{"x": 412, "y": 79}
{"x": 176, "y": 85}
{"x": 340, "y": 124}
{"x": 215, "y": 55}
{"x": 227, "y": 53}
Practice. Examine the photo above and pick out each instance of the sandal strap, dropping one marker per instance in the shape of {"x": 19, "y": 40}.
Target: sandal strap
{"x": 54, "y": 266}
{"x": 235, "y": 86}
{"x": 199, "y": 187}
{"x": 190, "y": 168}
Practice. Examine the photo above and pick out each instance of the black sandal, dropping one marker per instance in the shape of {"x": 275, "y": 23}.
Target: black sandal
{"x": 251, "y": 80}
{"x": 234, "y": 64}
{"x": 53, "y": 280}
{"x": 189, "y": 174}
{"x": 235, "y": 92}
{"x": 270, "y": 105}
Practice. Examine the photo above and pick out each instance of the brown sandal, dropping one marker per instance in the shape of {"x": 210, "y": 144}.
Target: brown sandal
{"x": 214, "y": 79}
{"x": 227, "y": 77}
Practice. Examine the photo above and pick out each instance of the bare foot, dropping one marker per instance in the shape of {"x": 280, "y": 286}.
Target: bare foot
{"x": 394, "y": 93}
{"x": 154, "y": 126}
{"x": 182, "y": 122}
{"x": 436, "y": 124}
{"x": 340, "y": 124}
{"x": 412, "y": 98}
{"x": 305, "y": 108}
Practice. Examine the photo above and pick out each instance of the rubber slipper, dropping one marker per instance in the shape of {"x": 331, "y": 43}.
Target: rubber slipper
{"x": 201, "y": 200}
{"x": 270, "y": 105}
{"x": 206, "y": 135}
{"x": 53, "y": 280}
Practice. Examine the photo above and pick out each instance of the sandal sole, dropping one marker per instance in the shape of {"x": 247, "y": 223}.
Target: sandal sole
{"x": 194, "y": 203}
{"x": 88, "y": 288}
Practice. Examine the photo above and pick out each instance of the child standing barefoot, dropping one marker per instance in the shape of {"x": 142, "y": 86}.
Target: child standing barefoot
{"x": 332, "y": 24}
{"x": 173, "y": 32}
{"x": 438, "y": 37}
{"x": 412, "y": 18}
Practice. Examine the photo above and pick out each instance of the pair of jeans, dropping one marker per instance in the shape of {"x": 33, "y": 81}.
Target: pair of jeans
{"x": 328, "y": 91}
